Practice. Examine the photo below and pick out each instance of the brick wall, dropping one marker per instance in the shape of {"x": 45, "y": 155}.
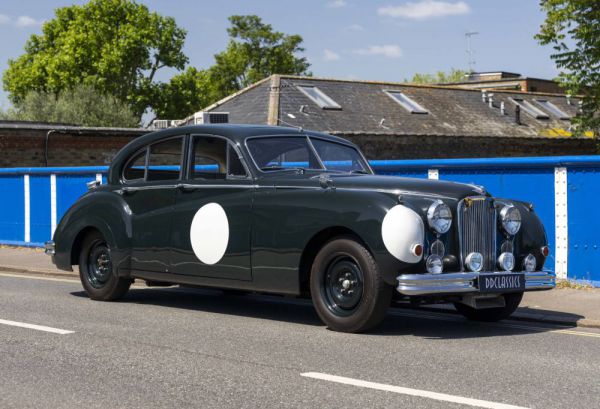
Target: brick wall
{"x": 434, "y": 147}
{"x": 26, "y": 147}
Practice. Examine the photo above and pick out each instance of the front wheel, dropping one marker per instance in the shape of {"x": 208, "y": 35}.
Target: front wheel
{"x": 347, "y": 289}
{"x": 511, "y": 302}
{"x": 96, "y": 270}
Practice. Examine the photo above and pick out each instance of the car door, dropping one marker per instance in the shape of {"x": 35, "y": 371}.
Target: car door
{"x": 150, "y": 182}
{"x": 210, "y": 235}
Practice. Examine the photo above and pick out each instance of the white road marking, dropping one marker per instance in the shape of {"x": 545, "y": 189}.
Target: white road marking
{"x": 36, "y": 327}
{"x": 409, "y": 391}
{"x": 62, "y": 280}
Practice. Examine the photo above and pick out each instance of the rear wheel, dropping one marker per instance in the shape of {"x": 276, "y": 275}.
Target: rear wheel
{"x": 347, "y": 288}
{"x": 96, "y": 270}
{"x": 511, "y": 301}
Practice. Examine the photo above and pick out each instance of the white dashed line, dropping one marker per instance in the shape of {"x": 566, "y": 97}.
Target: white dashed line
{"x": 36, "y": 327}
{"x": 408, "y": 391}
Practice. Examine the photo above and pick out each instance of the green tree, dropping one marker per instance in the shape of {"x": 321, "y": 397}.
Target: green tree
{"x": 572, "y": 27}
{"x": 254, "y": 52}
{"x": 116, "y": 46}
{"x": 185, "y": 93}
{"x": 439, "y": 77}
{"x": 81, "y": 105}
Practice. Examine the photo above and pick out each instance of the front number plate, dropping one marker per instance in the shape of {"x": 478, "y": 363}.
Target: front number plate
{"x": 501, "y": 282}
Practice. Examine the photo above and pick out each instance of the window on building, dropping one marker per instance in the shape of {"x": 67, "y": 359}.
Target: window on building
{"x": 529, "y": 108}
{"x": 407, "y": 103}
{"x": 164, "y": 160}
{"x": 318, "y": 97}
{"x": 553, "y": 109}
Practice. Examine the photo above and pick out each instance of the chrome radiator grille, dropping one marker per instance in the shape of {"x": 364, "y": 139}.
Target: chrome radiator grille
{"x": 477, "y": 229}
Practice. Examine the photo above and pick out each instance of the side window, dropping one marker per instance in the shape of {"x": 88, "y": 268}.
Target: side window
{"x": 214, "y": 158}
{"x": 136, "y": 167}
{"x": 164, "y": 160}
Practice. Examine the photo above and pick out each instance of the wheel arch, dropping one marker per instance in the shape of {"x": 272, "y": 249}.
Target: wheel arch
{"x": 316, "y": 242}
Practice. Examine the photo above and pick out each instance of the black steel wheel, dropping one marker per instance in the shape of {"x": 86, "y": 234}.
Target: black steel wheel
{"x": 343, "y": 286}
{"x": 96, "y": 272}
{"x": 347, "y": 289}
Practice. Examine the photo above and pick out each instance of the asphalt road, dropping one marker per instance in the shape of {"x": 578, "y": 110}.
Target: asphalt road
{"x": 172, "y": 347}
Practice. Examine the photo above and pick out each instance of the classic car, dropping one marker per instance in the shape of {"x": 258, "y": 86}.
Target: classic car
{"x": 288, "y": 211}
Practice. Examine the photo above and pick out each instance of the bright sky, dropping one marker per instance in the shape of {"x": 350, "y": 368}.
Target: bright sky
{"x": 377, "y": 40}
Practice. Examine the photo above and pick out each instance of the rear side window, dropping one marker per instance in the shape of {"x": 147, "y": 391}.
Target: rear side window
{"x": 214, "y": 158}
{"x": 164, "y": 160}
{"x": 136, "y": 168}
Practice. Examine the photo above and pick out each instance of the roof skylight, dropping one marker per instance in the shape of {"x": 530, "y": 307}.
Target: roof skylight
{"x": 530, "y": 108}
{"x": 553, "y": 109}
{"x": 318, "y": 97}
{"x": 410, "y": 105}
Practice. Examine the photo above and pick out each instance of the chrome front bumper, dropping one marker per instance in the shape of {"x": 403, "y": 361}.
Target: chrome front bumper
{"x": 458, "y": 283}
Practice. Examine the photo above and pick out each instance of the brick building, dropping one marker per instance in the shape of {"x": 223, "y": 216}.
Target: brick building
{"x": 387, "y": 120}
{"x": 26, "y": 144}
{"x": 508, "y": 81}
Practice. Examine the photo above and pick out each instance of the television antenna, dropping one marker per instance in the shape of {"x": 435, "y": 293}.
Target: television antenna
{"x": 470, "y": 51}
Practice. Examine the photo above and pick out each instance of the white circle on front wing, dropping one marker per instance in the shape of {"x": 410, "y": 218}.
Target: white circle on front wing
{"x": 209, "y": 233}
{"x": 401, "y": 229}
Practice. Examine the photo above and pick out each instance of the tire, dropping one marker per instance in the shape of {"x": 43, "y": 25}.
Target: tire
{"x": 512, "y": 302}
{"x": 96, "y": 271}
{"x": 347, "y": 289}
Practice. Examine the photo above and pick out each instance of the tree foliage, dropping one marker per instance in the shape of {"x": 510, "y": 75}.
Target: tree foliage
{"x": 186, "y": 92}
{"x": 116, "y": 46}
{"x": 439, "y": 77}
{"x": 254, "y": 52}
{"x": 81, "y": 105}
{"x": 572, "y": 27}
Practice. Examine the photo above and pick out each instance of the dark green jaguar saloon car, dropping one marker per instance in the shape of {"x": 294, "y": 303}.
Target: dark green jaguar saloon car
{"x": 286, "y": 211}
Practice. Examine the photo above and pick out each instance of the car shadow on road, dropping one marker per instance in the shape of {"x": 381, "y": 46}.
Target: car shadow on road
{"x": 398, "y": 322}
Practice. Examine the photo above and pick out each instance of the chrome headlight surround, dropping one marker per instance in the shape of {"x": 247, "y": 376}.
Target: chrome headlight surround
{"x": 510, "y": 217}
{"x": 439, "y": 217}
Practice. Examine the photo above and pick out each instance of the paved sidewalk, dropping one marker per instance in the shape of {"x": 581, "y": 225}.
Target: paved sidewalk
{"x": 559, "y": 306}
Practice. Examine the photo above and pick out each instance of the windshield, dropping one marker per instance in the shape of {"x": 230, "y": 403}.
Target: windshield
{"x": 281, "y": 153}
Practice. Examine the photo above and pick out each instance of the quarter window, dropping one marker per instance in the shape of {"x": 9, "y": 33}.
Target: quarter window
{"x": 164, "y": 160}
{"x": 136, "y": 168}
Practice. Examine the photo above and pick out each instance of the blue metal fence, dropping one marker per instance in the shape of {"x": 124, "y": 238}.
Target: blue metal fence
{"x": 564, "y": 190}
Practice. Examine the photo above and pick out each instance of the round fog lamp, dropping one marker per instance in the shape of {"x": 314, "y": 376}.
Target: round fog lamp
{"x": 434, "y": 264}
{"x": 474, "y": 261}
{"x": 506, "y": 261}
{"x": 530, "y": 263}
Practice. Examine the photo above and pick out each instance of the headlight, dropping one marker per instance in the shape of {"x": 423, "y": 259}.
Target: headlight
{"x": 439, "y": 217}
{"x": 474, "y": 262}
{"x": 510, "y": 217}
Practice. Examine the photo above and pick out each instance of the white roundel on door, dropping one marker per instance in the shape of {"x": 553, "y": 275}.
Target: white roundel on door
{"x": 209, "y": 233}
